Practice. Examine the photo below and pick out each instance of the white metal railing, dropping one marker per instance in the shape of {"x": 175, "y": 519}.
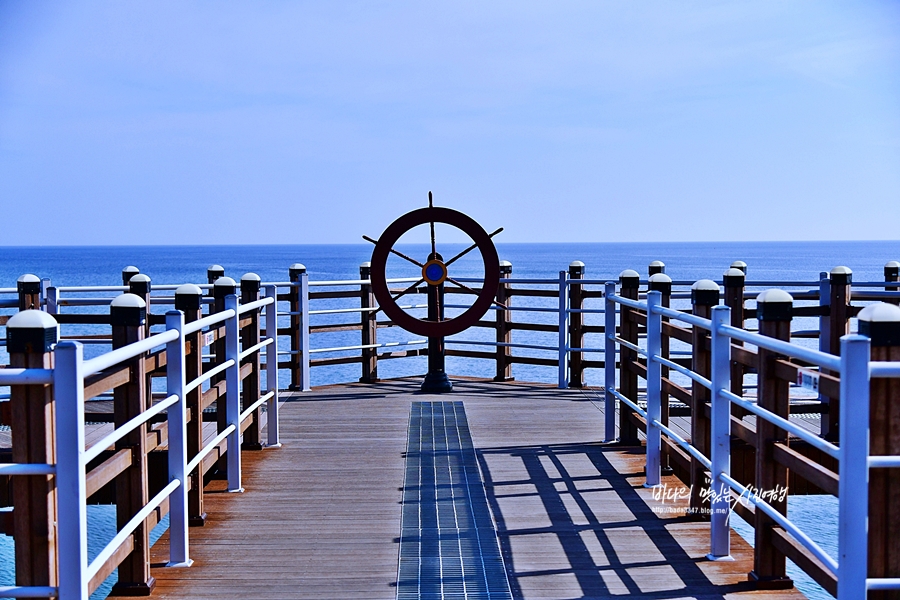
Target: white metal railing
{"x": 67, "y": 378}
{"x": 855, "y": 370}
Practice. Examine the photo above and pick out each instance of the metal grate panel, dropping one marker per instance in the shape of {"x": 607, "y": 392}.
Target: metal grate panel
{"x": 448, "y": 543}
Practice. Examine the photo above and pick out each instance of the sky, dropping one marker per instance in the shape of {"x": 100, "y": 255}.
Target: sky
{"x": 565, "y": 121}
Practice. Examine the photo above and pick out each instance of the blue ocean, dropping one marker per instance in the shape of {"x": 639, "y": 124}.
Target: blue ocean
{"x": 767, "y": 261}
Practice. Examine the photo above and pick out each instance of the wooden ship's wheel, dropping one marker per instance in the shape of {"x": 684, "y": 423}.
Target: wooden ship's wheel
{"x": 435, "y": 273}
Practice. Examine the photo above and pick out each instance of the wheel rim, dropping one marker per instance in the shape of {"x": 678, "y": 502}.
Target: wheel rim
{"x": 488, "y": 255}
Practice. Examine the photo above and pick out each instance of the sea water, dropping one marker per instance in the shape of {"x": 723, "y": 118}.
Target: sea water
{"x": 787, "y": 261}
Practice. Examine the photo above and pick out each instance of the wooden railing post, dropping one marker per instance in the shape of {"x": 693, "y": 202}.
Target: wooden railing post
{"x": 881, "y": 323}
{"x": 774, "y": 311}
{"x": 30, "y": 336}
{"x": 892, "y": 273}
{"x": 733, "y": 281}
{"x": 838, "y": 326}
{"x": 140, "y": 285}
{"x": 128, "y": 316}
{"x": 222, "y": 287}
{"x": 576, "y": 322}
{"x": 295, "y": 271}
{"x": 629, "y": 282}
{"x": 655, "y": 267}
{"x": 250, "y": 385}
{"x": 662, "y": 283}
{"x": 28, "y": 287}
{"x": 188, "y": 299}
{"x": 213, "y": 272}
{"x": 368, "y": 321}
{"x": 704, "y": 295}
{"x": 503, "y": 318}
{"x": 129, "y": 272}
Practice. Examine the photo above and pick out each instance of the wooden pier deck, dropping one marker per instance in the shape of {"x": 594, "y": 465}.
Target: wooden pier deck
{"x": 321, "y": 516}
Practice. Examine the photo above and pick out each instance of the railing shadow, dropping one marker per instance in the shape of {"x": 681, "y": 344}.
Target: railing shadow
{"x": 606, "y": 541}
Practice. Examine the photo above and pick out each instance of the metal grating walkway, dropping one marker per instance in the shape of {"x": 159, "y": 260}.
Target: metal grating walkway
{"x": 448, "y": 544}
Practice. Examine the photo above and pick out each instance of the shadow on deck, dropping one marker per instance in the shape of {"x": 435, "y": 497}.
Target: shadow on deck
{"x": 321, "y": 516}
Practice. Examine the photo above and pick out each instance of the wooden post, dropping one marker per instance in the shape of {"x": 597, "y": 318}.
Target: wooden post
{"x": 892, "y": 273}
{"x": 30, "y": 335}
{"x": 629, "y": 281}
{"x": 838, "y": 326}
{"x": 139, "y": 285}
{"x": 188, "y": 299}
{"x": 213, "y": 272}
{"x": 128, "y": 316}
{"x": 734, "y": 299}
{"x": 250, "y": 385}
{"x": 576, "y": 321}
{"x": 129, "y": 272}
{"x": 704, "y": 295}
{"x": 881, "y": 323}
{"x": 369, "y": 322}
{"x": 503, "y": 318}
{"x": 29, "y": 288}
{"x": 774, "y": 311}
{"x": 222, "y": 287}
{"x": 295, "y": 271}
{"x": 655, "y": 267}
{"x": 662, "y": 283}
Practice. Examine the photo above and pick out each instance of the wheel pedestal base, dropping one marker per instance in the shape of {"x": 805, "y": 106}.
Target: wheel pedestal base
{"x": 436, "y": 382}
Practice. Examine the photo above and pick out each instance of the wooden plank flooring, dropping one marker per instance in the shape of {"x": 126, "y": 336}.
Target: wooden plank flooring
{"x": 320, "y": 517}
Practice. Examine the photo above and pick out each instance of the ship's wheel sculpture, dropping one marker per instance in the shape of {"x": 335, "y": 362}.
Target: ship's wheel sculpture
{"x": 435, "y": 272}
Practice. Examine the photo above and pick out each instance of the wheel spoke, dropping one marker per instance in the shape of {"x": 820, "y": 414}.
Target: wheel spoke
{"x": 465, "y": 287}
{"x": 469, "y": 249}
{"x": 403, "y": 293}
{"x": 431, "y": 223}
{"x": 398, "y": 253}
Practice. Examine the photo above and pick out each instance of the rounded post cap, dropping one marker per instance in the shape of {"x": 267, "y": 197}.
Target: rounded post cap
{"x": 128, "y": 309}
{"x": 187, "y": 297}
{"x": 576, "y": 269}
{"x": 131, "y": 269}
{"x": 31, "y": 331}
{"x": 365, "y": 265}
{"x": 629, "y": 278}
{"x": 660, "y": 282}
{"x": 734, "y": 277}
{"x": 299, "y": 267}
{"x": 139, "y": 284}
{"x": 250, "y": 277}
{"x": 506, "y": 267}
{"x": 892, "y": 264}
{"x": 841, "y": 275}
{"x": 576, "y": 264}
{"x": 31, "y": 319}
{"x": 740, "y": 266}
{"x": 505, "y": 263}
{"x": 705, "y": 292}
{"x": 215, "y": 269}
{"x": 774, "y": 305}
{"x": 657, "y": 263}
{"x": 128, "y": 301}
{"x": 188, "y": 289}
{"x": 705, "y": 284}
{"x": 28, "y": 284}
{"x": 140, "y": 278}
{"x": 881, "y": 323}
{"x": 841, "y": 271}
{"x": 223, "y": 286}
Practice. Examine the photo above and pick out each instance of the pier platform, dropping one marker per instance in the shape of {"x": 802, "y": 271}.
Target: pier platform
{"x": 344, "y": 508}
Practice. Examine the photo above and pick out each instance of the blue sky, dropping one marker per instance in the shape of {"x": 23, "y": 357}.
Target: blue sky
{"x": 317, "y": 122}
